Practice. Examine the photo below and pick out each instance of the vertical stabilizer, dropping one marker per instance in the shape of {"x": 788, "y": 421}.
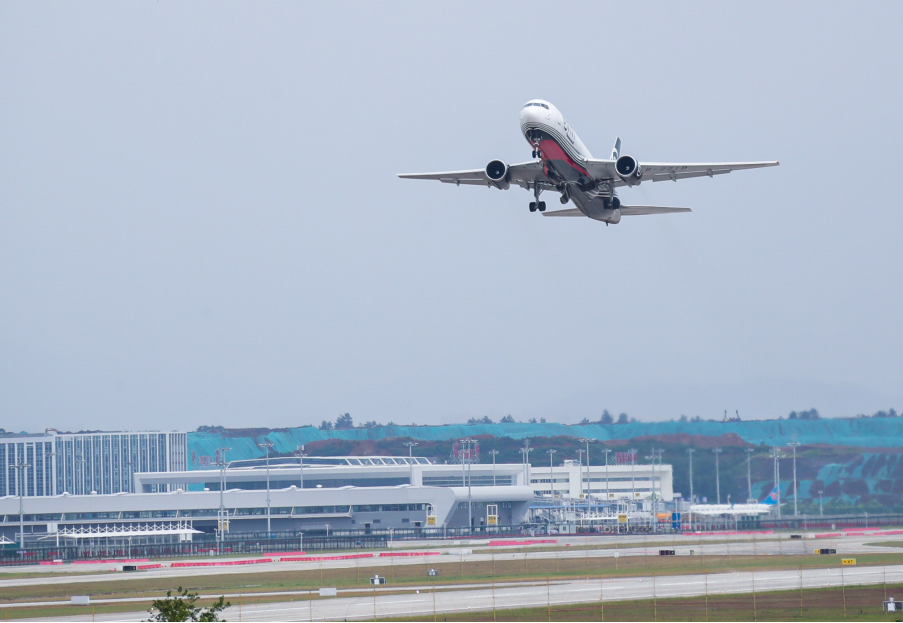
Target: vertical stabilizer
{"x": 772, "y": 498}
{"x": 616, "y": 150}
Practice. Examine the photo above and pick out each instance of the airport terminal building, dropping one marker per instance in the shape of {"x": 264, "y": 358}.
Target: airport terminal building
{"x": 604, "y": 483}
{"x": 361, "y": 494}
{"x": 83, "y": 483}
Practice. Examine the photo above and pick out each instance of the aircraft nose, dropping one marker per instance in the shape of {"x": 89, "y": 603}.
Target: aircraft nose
{"x": 529, "y": 117}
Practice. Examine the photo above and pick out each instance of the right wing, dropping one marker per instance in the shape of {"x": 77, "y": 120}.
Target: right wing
{"x": 525, "y": 174}
{"x": 665, "y": 171}
{"x": 662, "y": 171}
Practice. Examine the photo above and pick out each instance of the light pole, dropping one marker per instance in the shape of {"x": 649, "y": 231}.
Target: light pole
{"x": 580, "y": 458}
{"x": 493, "y": 452}
{"x": 794, "y": 444}
{"x": 749, "y": 452}
{"x": 657, "y": 454}
{"x": 717, "y": 451}
{"x": 821, "y": 508}
{"x": 551, "y": 452}
{"x": 607, "y": 492}
{"x": 267, "y": 445}
{"x": 20, "y": 466}
{"x": 587, "y": 441}
{"x": 661, "y": 472}
{"x": 654, "y": 505}
{"x": 468, "y": 456}
{"x": 690, "y": 452}
{"x": 776, "y": 455}
{"x": 525, "y": 451}
{"x": 633, "y": 473}
{"x": 221, "y": 520}
{"x": 410, "y": 445}
{"x": 778, "y": 465}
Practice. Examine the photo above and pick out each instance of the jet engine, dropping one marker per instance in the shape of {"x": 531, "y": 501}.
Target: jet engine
{"x": 629, "y": 170}
{"x": 497, "y": 172}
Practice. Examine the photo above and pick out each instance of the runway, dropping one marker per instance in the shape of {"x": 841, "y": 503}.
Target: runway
{"x": 568, "y": 548}
{"x": 425, "y": 601}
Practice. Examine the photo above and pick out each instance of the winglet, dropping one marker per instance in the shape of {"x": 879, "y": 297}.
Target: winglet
{"x": 616, "y": 150}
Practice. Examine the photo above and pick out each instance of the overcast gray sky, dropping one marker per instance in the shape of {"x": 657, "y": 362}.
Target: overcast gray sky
{"x": 200, "y": 221}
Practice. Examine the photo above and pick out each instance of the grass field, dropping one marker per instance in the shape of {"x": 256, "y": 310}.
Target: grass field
{"x": 149, "y": 587}
{"x": 140, "y": 585}
{"x": 861, "y": 603}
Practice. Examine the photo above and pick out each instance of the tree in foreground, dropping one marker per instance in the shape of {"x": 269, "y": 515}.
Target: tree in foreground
{"x": 183, "y": 607}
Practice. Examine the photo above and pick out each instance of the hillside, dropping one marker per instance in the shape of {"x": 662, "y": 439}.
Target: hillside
{"x": 855, "y": 462}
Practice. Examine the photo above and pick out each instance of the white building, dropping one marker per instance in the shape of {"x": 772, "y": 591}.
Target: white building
{"x": 612, "y": 483}
{"x": 53, "y": 463}
{"x": 341, "y": 493}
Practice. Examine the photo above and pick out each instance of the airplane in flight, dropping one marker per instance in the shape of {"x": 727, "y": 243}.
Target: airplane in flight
{"x": 562, "y": 163}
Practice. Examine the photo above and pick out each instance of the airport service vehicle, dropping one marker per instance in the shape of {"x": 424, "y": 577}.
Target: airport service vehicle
{"x": 562, "y": 163}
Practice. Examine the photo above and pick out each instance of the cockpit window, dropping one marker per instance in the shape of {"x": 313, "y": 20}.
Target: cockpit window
{"x": 544, "y": 106}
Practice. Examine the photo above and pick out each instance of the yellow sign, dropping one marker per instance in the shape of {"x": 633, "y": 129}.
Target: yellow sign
{"x": 848, "y": 561}
{"x": 622, "y": 518}
{"x": 431, "y": 520}
{"x": 492, "y": 520}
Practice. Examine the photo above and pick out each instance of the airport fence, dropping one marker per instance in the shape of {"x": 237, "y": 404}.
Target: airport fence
{"x": 119, "y": 550}
{"x": 43, "y": 548}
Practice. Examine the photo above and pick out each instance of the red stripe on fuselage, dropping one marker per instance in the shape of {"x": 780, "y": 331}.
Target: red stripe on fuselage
{"x": 551, "y": 150}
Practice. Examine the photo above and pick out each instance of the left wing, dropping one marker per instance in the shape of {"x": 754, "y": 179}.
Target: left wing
{"x": 673, "y": 171}
{"x": 525, "y": 174}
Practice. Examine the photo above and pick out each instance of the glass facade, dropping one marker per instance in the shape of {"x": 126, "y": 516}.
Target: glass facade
{"x": 32, "y": 455}
{"x": 85, "y": 463}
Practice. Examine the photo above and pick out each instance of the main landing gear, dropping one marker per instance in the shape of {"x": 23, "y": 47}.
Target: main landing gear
{"x": 537, "y": 204}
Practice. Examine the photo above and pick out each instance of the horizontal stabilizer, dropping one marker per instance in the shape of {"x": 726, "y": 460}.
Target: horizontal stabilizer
{"x": 641, "y": 210}
{"x": 625, "y": 211}
{"x": 569, "y": 212}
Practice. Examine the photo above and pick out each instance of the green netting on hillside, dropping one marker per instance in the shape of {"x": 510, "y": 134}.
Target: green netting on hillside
{"x": 861, "y": 432}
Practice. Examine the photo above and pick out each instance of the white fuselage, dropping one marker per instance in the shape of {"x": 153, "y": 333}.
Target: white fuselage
{"x": 564, "y": 158}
